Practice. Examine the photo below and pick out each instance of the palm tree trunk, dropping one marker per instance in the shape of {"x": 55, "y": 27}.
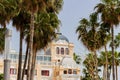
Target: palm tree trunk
{"x": 104, "y": 76}
{"x": 20, "y": 56}
{"x": 25, "y": 62}
{"x": 106, "y": 65}
{"x": 109, "y": 72}
{"x": 33, "y": 65}
{"x": 116, "y": 72}
{"x": 113, "y": 69}
{"x": 31, "y": 45}
{"x": 96, "y": 66}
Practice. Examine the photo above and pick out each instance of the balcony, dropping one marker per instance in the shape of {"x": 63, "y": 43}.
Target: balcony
{"x": 70, "y": 76}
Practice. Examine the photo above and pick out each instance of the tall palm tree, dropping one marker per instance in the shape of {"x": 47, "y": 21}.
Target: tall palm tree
{"x": 102, "y": 62}
{"x": 46, "y": 24}
{"x": 92, "y": 35}
{"x": 108, "y": 9}
{"x": 104, "y": 39}
{"x": 34, "y": 6}
{"x": 21, "y": 26}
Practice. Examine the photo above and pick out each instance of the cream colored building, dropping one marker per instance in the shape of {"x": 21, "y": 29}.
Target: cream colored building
{"x": 55, "y": 64}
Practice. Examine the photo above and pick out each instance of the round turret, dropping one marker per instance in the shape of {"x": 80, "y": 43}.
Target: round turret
{"x": 61, "y": 37}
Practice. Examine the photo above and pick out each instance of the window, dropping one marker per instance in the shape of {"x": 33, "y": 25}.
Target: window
{"x": 45, "y": 72}
{"x": 69, "y": 71}
{"x": 74, "y": 72}
{"x": 40, "y": 58}
{"x": 67, "y": 51}
{"x": 62, "y": 51}
{"x": 13, "y": 71}
{"x": 57, "y": 50}
{"x": 65, "y": 72}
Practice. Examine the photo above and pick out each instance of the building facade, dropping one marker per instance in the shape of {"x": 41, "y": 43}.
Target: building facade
{"x": 55, "y": 64}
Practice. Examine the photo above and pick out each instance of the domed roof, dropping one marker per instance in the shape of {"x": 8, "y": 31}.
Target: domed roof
{"x": 68, "y": 62}
{"x": 61, "y": 37}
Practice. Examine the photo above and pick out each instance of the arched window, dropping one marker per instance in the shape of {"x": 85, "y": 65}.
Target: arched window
{"x": 57, "y": 50}
{"x": 62, "y": 51}
{"x": 67, "y": 51}
{"x": 65, "y": 72}
{"x": 69, "y": 71}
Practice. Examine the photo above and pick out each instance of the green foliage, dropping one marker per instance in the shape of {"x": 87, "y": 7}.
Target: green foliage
{"x": 116, "y": 41}
{"x": 8, "y": 9}
{"x": 89, "y": 70}
{"x": 1, "y": 77}
{"x": 77, "y": 58}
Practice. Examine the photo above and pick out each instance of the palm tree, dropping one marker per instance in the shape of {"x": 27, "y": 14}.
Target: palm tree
{"x": 21, "y": 25}
{"x": 102, "y": 62}
{"x": 46, "y": 24}
{"x": 108, "y": 9}
{"x": 104, "y": 39}
{"x": 34, "y": 7}
{"x": 92, "y": 35}
{"x": 90, "y": 66}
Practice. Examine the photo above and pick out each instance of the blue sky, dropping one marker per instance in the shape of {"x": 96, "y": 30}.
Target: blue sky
{"x": 72, "y": 12}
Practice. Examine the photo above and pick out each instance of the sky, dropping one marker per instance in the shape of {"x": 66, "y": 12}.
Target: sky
{"x": 73, "y": 11}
